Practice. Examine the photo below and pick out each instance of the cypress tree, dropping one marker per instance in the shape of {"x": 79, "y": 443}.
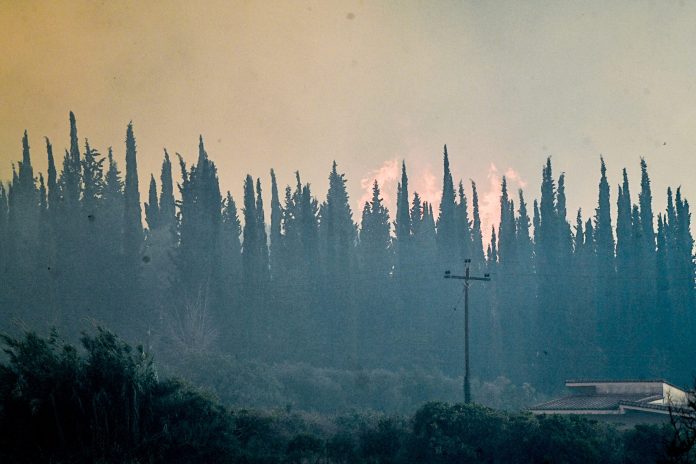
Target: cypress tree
{"x": 493, "y": 249}
{"x": 276, "y": 237}
{"x": 579, "y": 237}
{"x": 646, "y": 213}
{"x": 132, "y": 214}
{"x": 167, "y": 211}
{"x": 446, "y": 225}
{"x": 53, "y": 192}
{"x": 476, "y": 235}
{"x": 250, "y": 247}
{"x": 230, "y": 317}
{"x": 506, "y": 229}
{"x": 523, "y": 238}
{"x": 231, "y": 245}
{"x": 402, "y": 225}
{"x": 603, "y": 229}
{"x": 565, "y": 242}
{"x": 152, "y": 212}
{"x": 604, "y": 249}
{"x": 263, "y": 237}
{"x": 624, "y": 226}
{"x": 463, "y": 225}
{"x": 70, "y": 178}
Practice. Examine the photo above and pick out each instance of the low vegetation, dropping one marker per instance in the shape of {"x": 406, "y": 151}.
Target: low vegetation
{"x": 105, "y": 402}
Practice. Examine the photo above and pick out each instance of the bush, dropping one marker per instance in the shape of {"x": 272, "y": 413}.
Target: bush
{"x": 104, "y": 404}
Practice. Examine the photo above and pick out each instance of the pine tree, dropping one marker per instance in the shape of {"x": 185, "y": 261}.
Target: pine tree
{"x": 336, "y": 224}
{"x": 338, "y": 235}
{"x": 113, "y": 205}
{"x": 375, "y": 319}
{"x": 375, "y": 241}
{"x": 92, "y": 181}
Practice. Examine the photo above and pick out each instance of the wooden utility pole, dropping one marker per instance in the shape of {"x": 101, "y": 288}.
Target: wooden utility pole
{"x": 466, "y": 278}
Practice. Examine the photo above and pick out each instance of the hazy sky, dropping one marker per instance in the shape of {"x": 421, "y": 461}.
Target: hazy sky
{"x": 295, "y": 85}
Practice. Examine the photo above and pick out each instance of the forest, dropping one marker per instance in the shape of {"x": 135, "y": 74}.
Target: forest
{"x": 305, "y": 303}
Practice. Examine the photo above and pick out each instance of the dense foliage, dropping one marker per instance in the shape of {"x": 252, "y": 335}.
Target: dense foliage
{"x": 106, "y": 403}
{"x": 611, "y": 295}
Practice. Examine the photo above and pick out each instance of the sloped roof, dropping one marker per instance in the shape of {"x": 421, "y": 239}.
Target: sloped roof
{"x": 592, "y": 402}
{"x": 595, "y": 381}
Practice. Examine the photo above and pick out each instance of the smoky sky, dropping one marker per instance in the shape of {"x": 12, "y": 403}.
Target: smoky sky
{"x": 295, "y": 85}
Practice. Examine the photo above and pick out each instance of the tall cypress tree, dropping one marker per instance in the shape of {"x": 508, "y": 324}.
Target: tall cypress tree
{"x": 251, "y": 236}
{"x": 276, "y": 237}
{"x": 476, "y": 235}
{"x": 167, "y": 211}
{"x": 646, "y": 213}
{"x": 446, "y": 221}
{"x": 463, "y": 225}
{"x": 604, "y": 249}
{"x": 152, "y": 211}
{"x": 523, "y": 238}
{"x": 132, "y": 214}
{"x": 493, "y": 250}
{"x": 506, "y": 229}
{"x": 263, "y": 237}
{"x": 402, "y": 225}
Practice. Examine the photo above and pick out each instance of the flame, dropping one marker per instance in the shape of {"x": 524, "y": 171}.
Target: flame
{"x": 428, "y": 185}
{"x": 489, "y": 199}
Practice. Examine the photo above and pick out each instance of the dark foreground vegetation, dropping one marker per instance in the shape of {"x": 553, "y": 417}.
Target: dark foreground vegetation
{"x": 105, "y": 402}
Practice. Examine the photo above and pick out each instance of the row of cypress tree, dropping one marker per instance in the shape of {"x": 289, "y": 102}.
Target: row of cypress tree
{"x": 588, "y": 299}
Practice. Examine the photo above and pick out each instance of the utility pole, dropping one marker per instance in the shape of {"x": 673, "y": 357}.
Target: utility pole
{"x": 466, "y": 278}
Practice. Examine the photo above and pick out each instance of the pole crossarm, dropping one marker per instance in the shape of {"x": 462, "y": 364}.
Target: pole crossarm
{"x": 485, "y": 279}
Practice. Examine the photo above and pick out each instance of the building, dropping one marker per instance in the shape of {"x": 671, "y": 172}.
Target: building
{"x": 622, "y": 402}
